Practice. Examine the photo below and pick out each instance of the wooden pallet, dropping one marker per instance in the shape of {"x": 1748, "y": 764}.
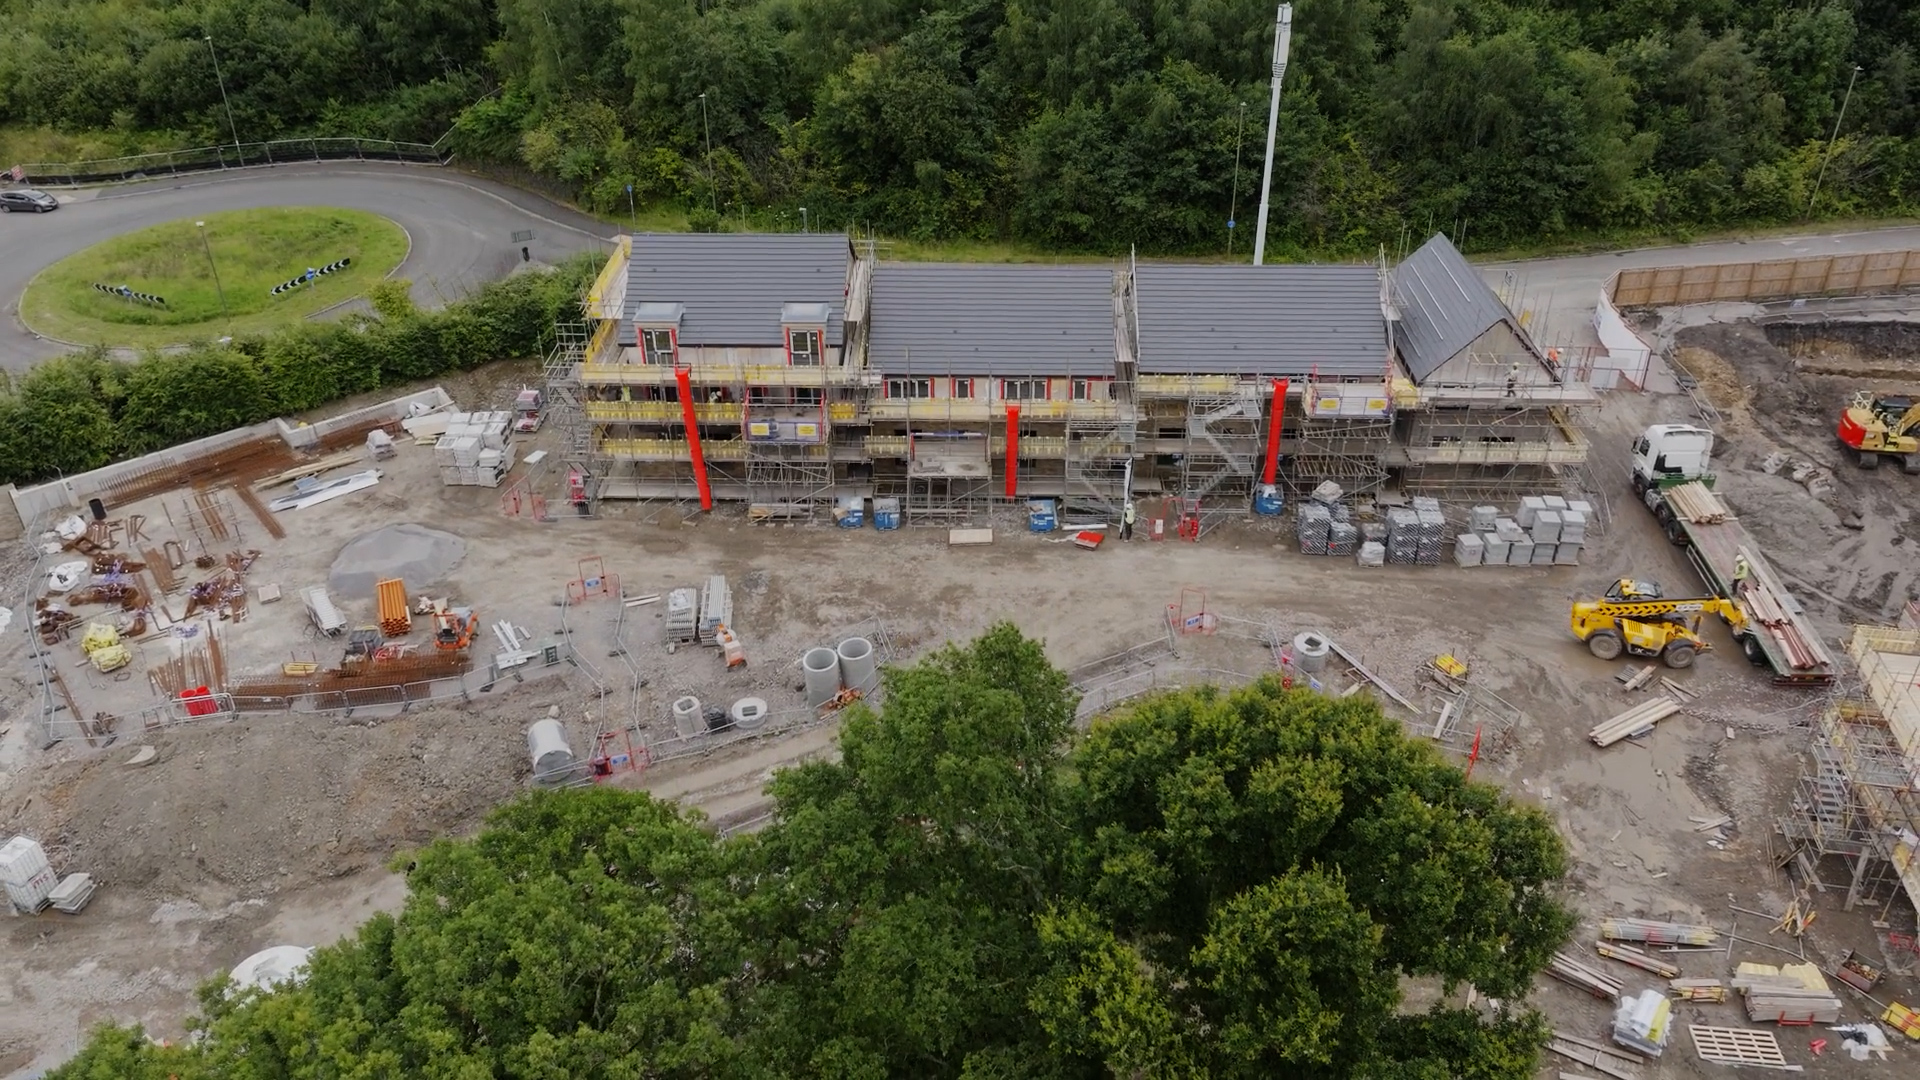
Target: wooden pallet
{"x": 1739, "y": 1046}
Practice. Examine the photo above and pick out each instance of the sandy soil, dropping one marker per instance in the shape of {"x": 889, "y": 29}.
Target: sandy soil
{"x": 276, "y": 828}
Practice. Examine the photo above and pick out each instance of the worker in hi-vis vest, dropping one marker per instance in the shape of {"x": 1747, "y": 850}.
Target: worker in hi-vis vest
{"x": 1742, "y": 570}
{"x": 1126, "y": 521}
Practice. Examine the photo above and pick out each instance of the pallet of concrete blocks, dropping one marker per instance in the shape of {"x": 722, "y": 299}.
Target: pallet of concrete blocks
{"x": 1373, "y": 532}
{"x": 1433, "y": 531}
{"x": 1468, "y": 549}
{"x": 1493, "y": 549}
{"x": 1530, "y": 507}
{"x": 1326, "y": 493}
{"x": 683, "y": 614}
{"x": 1481, "y": 518}
{"x": 1313, "y": 525}
{"x": 1372, "y": 553}
{"x": 1546, "y": 527}
{"x": 1343, "y": 539}
{"x": 1403, "y": 535}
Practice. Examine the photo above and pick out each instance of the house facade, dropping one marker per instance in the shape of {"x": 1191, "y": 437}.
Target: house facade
{"x": 788, "y": 370}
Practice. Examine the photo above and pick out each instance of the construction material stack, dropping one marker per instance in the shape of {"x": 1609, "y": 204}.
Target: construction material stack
{"x": 28, "y": 877}
{"x": 716, "y": 610}
{"x": 1671, "y": 467}
{"x": 683, "y": 615}
{"x": 1403, "y": 535}
{"x": 476, "y": 450}
{"x": 396, "y": 620}
{"x": 1793, "y": 994}
{"x": 1644, "y": 1022}
{"x": 1431, "y": 528}
{"x": 1314, "y": 526}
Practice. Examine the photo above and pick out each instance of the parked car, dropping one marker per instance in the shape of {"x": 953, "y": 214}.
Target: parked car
{"x": 27, "y": 200}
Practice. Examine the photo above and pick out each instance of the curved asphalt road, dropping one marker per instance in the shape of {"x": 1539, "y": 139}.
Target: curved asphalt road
{"x": 462, "y": 227}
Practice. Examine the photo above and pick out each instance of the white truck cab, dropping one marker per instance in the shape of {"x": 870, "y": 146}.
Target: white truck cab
{"x": 1668, "y": 454}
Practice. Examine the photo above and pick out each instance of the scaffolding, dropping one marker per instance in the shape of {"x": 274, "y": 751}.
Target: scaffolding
{"x": 1099, "y": 449}
{"x": 563, "y": 392}
{"x": 789, "y": 458}
{"x": 1858, "y": 801}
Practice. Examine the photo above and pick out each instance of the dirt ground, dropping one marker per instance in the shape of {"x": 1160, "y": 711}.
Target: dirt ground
{"x": 277, "y": 828}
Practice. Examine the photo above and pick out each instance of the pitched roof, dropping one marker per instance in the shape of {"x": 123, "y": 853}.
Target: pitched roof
{"x": 1289, "y": 319}
{"x": 1444, "y": 304}
{"x": 734, "y": 285}
{"x": 992, "y": 319}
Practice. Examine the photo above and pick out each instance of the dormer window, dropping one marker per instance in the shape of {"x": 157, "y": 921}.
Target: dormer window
{"x": 803, "y": 348}
{"x": 657, "y": 332}
{"x": 657, "y": 345}
{"x": 806, "y": 328}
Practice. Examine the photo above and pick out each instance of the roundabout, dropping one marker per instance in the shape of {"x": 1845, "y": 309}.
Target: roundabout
{"x": 227, "y": 272}
{"x": 464, "y": 231}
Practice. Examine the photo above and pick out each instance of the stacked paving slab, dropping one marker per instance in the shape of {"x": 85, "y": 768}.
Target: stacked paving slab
{"x": 1545, "y": 530}
{"x": 476, "y": 450}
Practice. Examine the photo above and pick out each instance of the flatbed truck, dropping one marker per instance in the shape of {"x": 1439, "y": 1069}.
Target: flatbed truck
{"x": 1668, "y": 455}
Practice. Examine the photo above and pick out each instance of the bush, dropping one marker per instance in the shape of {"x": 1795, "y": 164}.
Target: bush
{"x": 86, "y": 410}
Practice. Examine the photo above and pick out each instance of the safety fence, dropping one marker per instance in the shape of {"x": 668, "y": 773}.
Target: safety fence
{"x": 229, "y": 156}
{"x": 1872, "y": 274}
{"x": 1103, "y": 696}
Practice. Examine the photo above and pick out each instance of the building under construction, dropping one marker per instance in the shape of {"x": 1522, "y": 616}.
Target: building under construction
{"x": 793, "y": 371}
{"x": 1858, "y": 801}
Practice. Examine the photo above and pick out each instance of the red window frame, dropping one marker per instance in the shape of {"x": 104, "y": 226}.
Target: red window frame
{"x": 954, "y": 384}
{"x": 820, "y": 337}
{"x": 1091, "y": 381}
{"x": 673, "y": 343}
{"x": 886, "y": 388}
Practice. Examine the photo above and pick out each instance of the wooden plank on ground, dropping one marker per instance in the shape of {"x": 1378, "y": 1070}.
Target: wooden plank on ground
{"x": 968, "y": 537}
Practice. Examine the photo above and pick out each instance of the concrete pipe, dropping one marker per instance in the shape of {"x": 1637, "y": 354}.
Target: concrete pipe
{"x": 749, "y": 713}
{"x": 687, "y": 721}
{"x": 856, "y": 664}
{"x": 552, "y": 757}
{"x": 822, "y": 668}
{"x": 1310, "y": 652}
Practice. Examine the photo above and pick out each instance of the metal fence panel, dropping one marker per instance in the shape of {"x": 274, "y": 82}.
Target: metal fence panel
{"x": 232, "y": 156}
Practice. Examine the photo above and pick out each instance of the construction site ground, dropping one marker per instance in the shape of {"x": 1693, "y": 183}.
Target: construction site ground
{"x": 280, "y": 828}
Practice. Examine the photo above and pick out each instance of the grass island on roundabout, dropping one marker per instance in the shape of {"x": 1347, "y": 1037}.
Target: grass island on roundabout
{"x": 212, "y": 275}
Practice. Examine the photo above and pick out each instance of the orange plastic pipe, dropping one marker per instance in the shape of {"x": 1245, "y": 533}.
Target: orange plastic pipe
{"x": 1272, "y": 472}
{"x": 680, "y": 375}
{"x": 1013, "y": 448}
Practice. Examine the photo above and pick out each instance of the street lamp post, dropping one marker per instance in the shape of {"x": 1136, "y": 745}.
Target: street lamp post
{"x": 1828, "y": 156}
{"x": 713, "y": 192}
{"x": 222, "y": 80}
{"x": 1233, "y": 206}
{"x": 803, "y": 219}
{"x": 208, "y": 248}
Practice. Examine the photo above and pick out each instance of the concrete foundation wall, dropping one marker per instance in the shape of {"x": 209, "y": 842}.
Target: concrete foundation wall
{"x": 72, "y": 492}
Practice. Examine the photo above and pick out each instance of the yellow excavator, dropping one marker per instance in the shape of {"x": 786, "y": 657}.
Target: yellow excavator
{"x": 1882, "y": 427}
{"x": 1636, "y": 619}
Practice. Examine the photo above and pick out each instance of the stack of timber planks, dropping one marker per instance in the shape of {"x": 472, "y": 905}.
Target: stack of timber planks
{"x": 1576, "y": 974}
{"x": 1696, "y": 502}
{"x": 1794, "y": 994}
{"x": 1658, "y": 933}
{"x": 1636, "y": 958}
{"x": 1697, "y": 989}
{"x": 1640, "y": 718}
{"x": 1760, "y": 595}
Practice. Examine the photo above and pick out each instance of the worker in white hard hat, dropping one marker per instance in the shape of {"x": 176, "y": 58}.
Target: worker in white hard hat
{"x": 1742, "y": 570}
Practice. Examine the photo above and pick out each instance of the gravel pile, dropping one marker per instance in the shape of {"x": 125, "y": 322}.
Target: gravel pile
{"x": 413, "y": 553}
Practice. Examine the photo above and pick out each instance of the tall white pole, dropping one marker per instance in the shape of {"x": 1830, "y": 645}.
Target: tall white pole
{"x": 1282, "y": 42}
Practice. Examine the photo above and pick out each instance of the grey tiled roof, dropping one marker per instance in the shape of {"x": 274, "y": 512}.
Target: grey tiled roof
{"x": 1290, "y": 319}
{"x": 1002, "y": 319}
{"x": 735, "y": 284}
{"x": 1444, "y": 304}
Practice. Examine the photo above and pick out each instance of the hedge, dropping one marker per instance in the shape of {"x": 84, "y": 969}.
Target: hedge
{"x": 87, "y": 409}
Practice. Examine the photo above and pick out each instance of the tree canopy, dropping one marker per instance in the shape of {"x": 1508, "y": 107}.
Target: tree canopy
{"x": 1207, "y": 884}
{"x": 1084, "y": 124}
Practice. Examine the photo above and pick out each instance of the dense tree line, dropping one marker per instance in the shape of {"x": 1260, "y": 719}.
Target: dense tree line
{"x": 1088, "y": 124}
{"x": 86, "y": 409}
{"x": 1209, "y": 884}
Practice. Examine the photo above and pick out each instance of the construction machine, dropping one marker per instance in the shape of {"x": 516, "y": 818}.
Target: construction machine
{"x": 1665, "y": 629}
{"x": 1874, "y": 428}
{"x": 453, "y": 628}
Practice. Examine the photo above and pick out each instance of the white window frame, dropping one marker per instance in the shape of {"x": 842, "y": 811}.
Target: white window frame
{"x": 1009, "y": 386}
{"x": 814, "y": 355}
{"x": 903, "y": 388}
{"x": 1081, "y": 389}
{"x": 960, "y": 387}
{"x": 650, "y": 354}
